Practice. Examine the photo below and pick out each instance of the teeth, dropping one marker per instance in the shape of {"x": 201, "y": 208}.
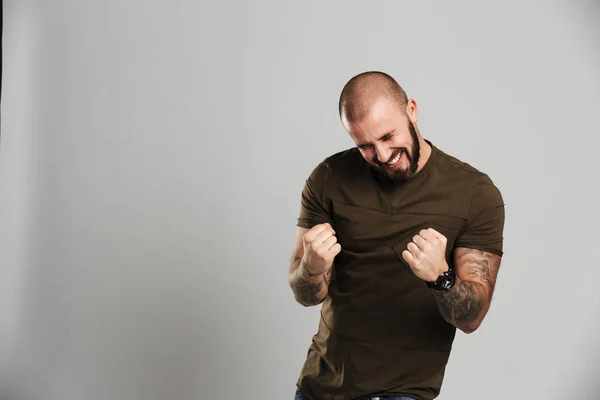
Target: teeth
{"x": 395, "y": 160}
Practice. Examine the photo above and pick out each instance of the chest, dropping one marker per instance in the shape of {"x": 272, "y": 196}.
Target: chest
{"x": 371, "y": 223}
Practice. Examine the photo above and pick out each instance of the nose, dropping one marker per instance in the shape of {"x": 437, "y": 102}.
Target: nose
{"x": 383, "y": 153}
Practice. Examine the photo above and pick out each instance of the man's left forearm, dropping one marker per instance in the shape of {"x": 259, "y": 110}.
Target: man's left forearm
{"x": 465, "y": 305}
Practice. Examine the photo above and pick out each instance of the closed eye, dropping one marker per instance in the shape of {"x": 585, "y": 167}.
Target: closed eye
{"x": 387, "y": 136}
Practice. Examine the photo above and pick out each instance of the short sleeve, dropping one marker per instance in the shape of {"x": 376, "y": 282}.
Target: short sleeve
{"x": 484, "y": 230}
{"x": 314, "y": 207}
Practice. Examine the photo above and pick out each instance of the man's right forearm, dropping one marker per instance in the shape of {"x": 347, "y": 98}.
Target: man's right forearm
{"x": 309, "y": 290}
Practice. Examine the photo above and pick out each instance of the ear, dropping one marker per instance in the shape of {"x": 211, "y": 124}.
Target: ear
{"x": 412, "y": 110}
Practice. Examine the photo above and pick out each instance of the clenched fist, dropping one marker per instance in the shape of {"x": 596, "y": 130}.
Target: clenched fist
{"x": 426, "y": 254}
{"x": 320, "y": 248}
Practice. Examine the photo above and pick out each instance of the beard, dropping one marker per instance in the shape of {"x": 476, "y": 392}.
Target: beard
{"x": 401, "y": 175}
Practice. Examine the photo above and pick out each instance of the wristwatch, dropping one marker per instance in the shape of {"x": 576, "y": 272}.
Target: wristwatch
{"x": 444, "y": 282}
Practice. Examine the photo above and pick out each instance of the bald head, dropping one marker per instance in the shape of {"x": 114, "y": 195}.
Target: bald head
{"x": 362, "y": 91}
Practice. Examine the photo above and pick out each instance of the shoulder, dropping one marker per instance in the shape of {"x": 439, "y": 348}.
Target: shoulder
{"x": 343, "y": 159}
{"x": 339, "y": 164}
{"x": 474, "y": 183}
{"x": 461, "y": 171}
{"x": 452, "y": 164}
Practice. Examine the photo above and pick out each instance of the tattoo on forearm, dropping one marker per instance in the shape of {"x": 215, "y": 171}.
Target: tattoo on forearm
{"x": 460, "y": 305}
{"x": 466, "y": 301}
{"x": 308, "y": 292}
{"x": 304, "y": 270}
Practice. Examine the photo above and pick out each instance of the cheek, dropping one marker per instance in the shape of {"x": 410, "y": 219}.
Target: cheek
{"x": 402, "y": 144}
{"x": 368, "y": 155}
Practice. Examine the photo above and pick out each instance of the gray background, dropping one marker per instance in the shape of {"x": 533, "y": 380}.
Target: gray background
{"x": 152, "y": 157}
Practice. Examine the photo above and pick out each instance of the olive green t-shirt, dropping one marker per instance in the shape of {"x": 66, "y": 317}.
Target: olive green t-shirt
{"x": 380, "y": 331}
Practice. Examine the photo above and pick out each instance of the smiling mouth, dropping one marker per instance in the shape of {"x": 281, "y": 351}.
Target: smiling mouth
{"x": 394, "y": 161}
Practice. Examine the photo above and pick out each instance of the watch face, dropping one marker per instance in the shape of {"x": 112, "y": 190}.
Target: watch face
{"x": 447, "y": 284}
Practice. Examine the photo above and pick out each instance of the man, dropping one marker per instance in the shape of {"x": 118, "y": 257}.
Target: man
{"x": 400, "y": 243}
